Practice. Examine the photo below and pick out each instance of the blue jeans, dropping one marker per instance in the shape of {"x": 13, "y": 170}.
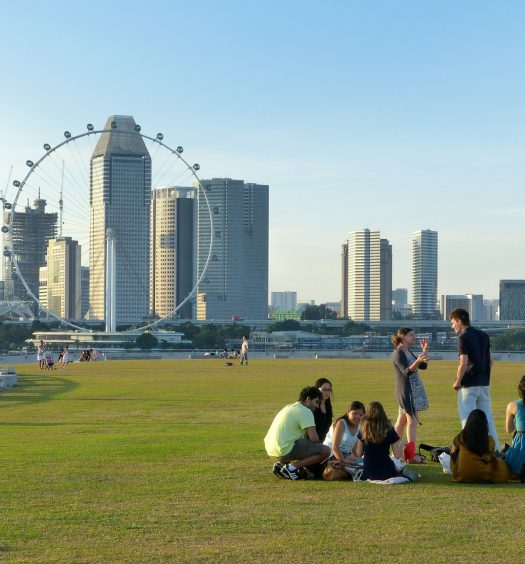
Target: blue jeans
{"x": 477, "y": 397}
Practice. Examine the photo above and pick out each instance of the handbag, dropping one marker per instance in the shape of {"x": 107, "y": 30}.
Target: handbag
{"x": 335, "y": 470}
{"x": 419, "y": 395}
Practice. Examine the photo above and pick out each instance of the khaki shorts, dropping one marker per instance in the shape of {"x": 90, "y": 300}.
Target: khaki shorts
{"x": 302, "y": 448}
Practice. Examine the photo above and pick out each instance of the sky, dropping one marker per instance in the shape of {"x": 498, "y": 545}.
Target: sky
{"x": 395, "y": 116}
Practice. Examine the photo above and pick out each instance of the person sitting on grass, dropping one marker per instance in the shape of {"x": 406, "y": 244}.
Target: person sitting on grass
{"x": 292, "y": 437}
{"x": 342, "y": 435}
{"x": 515, "y": 423}
{"x": 472, "y": 456}
{"x": 376, "y": 436}
{"x": 324, "y": 414}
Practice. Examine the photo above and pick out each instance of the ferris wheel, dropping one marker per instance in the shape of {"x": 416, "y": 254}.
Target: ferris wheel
{"x": 58, "y": 183}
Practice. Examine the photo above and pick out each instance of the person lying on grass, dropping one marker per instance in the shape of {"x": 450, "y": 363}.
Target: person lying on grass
{"x": 375, "y": 438}
{"x": 472, "y": 457}
{"x": 342, "y": 435}
{"x": 292, "y": 437}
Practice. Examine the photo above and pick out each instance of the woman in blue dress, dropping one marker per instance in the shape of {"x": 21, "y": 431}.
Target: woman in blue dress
{"x": 515, "y": 423}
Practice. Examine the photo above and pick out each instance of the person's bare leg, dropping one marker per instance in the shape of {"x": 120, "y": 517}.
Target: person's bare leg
{"x": 401, "y": 424}
{"x": 314, "y": 459}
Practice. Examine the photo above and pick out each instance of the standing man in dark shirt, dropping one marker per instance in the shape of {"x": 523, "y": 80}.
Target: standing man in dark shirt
{"x": 473, "y": 375}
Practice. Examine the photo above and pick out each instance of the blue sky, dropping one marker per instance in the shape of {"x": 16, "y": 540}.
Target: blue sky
{"x": 395, "y": 116}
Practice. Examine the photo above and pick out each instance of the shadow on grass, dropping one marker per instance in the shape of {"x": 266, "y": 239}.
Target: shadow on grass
{"x": 433, "y": 475}
{"x": 35, "y": 389}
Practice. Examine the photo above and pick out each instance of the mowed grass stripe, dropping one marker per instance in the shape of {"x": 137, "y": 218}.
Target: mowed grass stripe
{"x": 164, "y": 461}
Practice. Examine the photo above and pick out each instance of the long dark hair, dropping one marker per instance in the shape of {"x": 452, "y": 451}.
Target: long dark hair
{"x": 328, "y": 403}
{"x": 475, "y": 434}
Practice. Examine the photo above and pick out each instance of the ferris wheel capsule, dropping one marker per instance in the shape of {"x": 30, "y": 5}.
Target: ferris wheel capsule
{"x": 5, "y": 229}
{"x": 90, "y": 127}
{"x": 7, "y": 253}
{"x": 114, "y": 124}
{"x": 160, "y": 137}
{"x": 137, "y": 127}
{"x": 179, "y": 149}
{"x": 47, "y": 146}
{"x": 7, "y": 206}
{"x": 29, "y": 163}
{"x": 196, "y": 166}
{"x": 67, "y": 134}
{"x": 16, "y": 183}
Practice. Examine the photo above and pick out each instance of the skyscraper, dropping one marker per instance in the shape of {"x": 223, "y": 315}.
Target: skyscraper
{"x": 386, "y": 280}
{"x": 171, "y": 272}
{"x": 511, "y": 300}
{"x": 60, "y": 279}
{"x": 30, "y": 231}
{"x": 364, "y": 275}
{"x": 120, "y": 199}
{"x": 236, "y": 282}
{"x": 424, "y": 274}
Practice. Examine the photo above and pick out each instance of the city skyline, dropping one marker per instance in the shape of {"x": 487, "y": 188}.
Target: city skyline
{"x": 394, "y": 117}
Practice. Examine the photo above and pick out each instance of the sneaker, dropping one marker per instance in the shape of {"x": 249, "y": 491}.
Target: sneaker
{"x": 305, "y": 474}
{"x": 277, "y": 469}
{"x": 289, "y": 474}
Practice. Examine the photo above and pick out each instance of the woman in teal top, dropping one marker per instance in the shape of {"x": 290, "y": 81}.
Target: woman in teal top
{"x": 515, "y": 422}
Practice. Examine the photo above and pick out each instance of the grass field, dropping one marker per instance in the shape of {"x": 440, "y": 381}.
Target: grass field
{"x": 164, "y": 461}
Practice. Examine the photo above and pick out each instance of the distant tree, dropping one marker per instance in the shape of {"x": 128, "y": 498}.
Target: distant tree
{"x": 512, "y": 340}
{"x": 285, "y": 325}
{"x": 311, "y": 313}
{"x": 146, "y": 341}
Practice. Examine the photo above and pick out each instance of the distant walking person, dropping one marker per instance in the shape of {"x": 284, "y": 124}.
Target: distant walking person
{"x": 41, "y": 355}
{"x": 473, "y": 374}
{"x": 244, "y": 350}
{"x": 65, "y": 357}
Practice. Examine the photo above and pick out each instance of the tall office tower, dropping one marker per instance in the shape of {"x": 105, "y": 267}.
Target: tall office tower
{"x": 120, "y": 199}
{"x": 284, "y": 301}
{"x": 344, "y": 280}
{"x": 236, "y": 282}
{"x": 386, "y": 280}
{"x": 364, "y": 275}
{"x": 30, "y": 231}
{"x": 62, "y": 274}
{"x": 424, "y": 274}
{"x": 512, "y": 300}
{"x": 255, "y": 219}
{"x": 84, "y": 291}
{"x": 171, "y": 271}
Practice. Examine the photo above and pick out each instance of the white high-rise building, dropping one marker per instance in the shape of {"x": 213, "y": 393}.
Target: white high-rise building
{"x": 363, "y": 294}
{"x": 60, "y": 282}
{"x": 171, "y": 272}
{"x": 284, "y": 301}
{"x": 120, "y": 198}
{"x": 236, "y": 282}
{"x": 424, "y": 274}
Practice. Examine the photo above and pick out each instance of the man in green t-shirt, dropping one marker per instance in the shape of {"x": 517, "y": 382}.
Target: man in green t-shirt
{"x": 292, "y": 436}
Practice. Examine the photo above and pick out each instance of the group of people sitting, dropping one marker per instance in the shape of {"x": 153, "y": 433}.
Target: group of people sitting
{"x": 304, "y": 439}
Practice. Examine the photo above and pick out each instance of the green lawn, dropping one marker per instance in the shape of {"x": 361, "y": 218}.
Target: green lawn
{"x": 164, "y": 461}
